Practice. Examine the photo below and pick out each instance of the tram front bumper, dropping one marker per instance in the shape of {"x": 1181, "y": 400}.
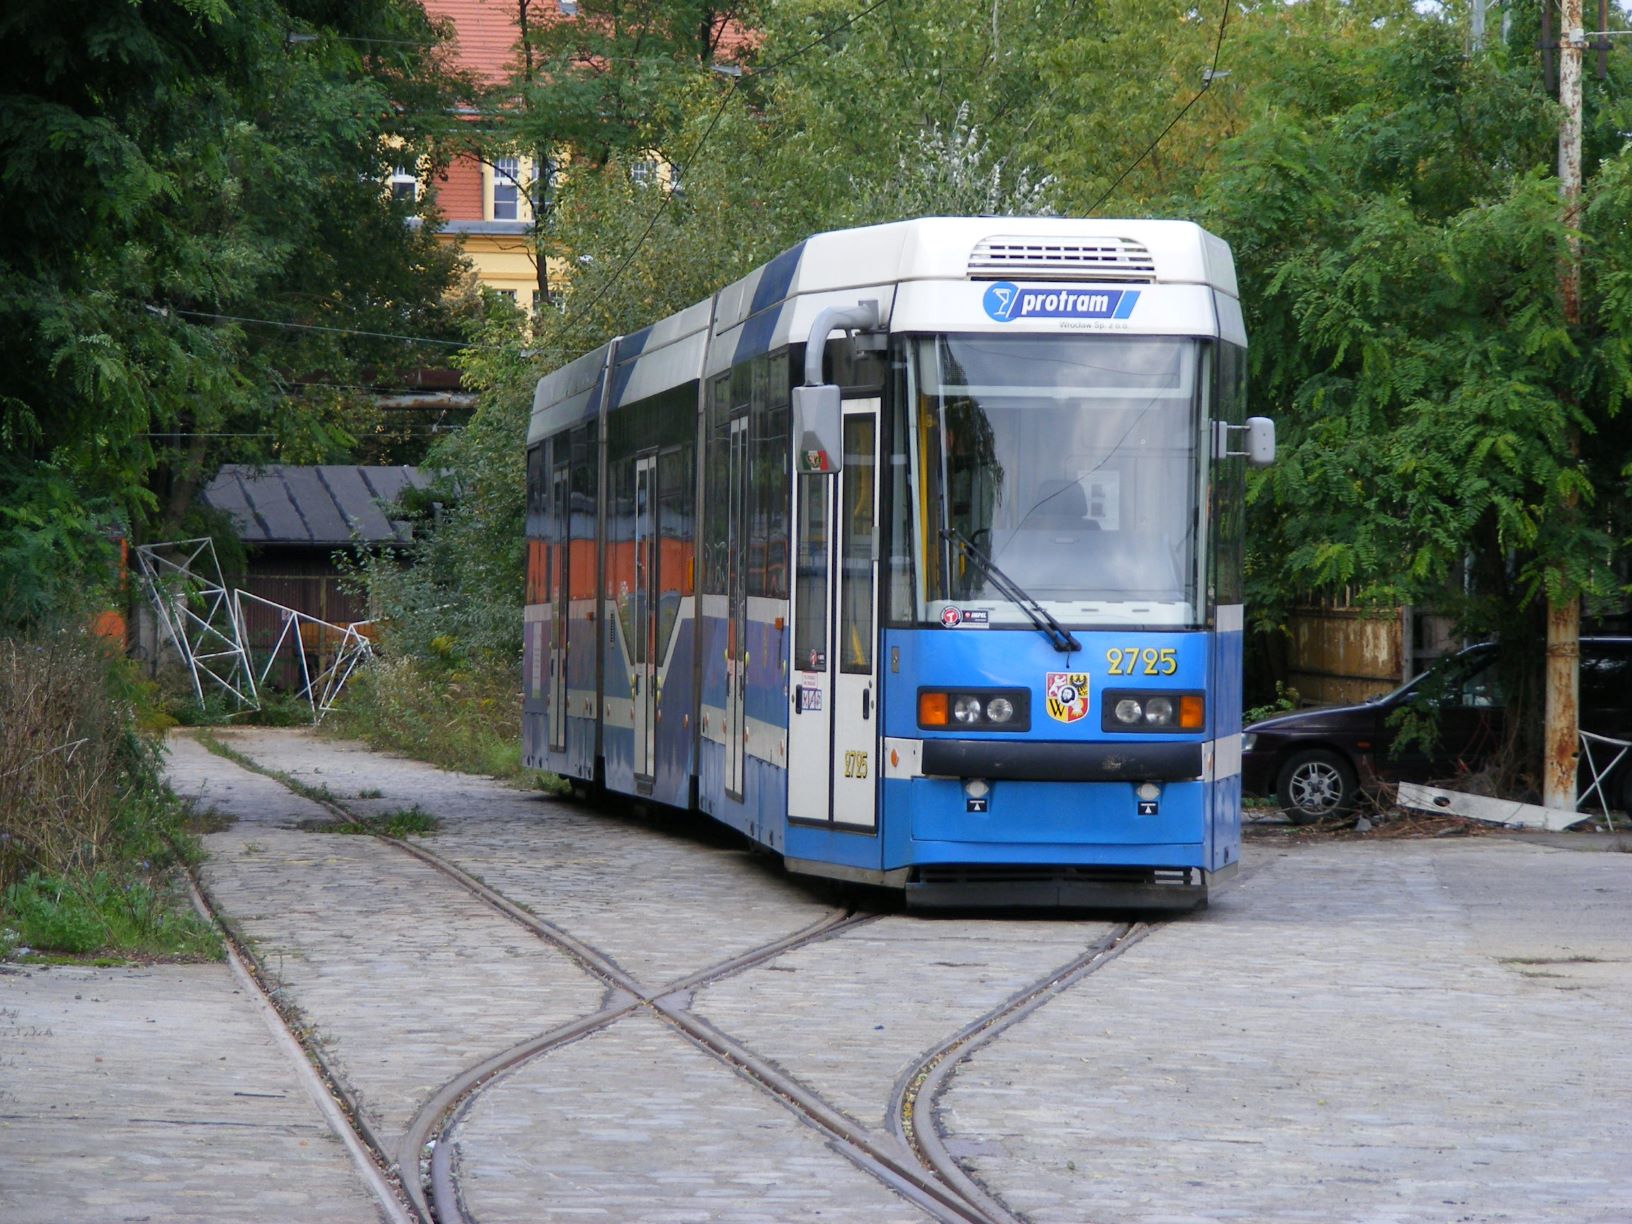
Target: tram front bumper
{"x": 1123, "y": 889}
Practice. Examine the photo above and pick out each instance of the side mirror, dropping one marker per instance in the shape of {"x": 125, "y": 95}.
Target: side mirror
{"x": 1260, "y": 441}
{"x": 818, "y": 430}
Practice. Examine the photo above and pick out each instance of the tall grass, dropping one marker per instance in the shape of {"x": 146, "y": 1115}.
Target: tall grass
{"x": 89, "y": 834}
{"x": 465, "y": 717}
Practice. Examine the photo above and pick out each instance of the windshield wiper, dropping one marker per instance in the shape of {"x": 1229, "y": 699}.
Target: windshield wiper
{"x": 1058, "y": 635}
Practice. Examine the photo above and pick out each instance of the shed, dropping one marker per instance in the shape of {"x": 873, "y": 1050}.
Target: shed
{"x": 293, "y": 521}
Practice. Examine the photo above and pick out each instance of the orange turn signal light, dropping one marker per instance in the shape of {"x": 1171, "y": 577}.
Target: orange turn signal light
{"x": 1192, "y": 712}
{"x": 932, "y": 709}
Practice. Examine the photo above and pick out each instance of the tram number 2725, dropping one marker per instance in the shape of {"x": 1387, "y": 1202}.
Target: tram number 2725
{"x": 1163, "y": 662}
{"x": 855, "y": 764}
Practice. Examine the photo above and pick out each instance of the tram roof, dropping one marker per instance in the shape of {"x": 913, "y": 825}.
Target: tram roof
{"x": 743, "y": 317}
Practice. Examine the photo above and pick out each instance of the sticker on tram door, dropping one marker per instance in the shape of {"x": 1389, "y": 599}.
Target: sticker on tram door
{"x": 1066, "y": 695}
{"x": 810, "y": 699}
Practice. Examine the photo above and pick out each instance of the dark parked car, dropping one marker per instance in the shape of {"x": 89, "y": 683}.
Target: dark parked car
{"x": 1316, "y": 762}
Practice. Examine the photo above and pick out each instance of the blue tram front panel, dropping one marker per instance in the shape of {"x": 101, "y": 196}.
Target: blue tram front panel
{"x": 1064, "y": 791}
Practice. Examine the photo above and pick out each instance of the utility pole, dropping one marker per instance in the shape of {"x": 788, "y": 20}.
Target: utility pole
{"x": 1561, "y": 736}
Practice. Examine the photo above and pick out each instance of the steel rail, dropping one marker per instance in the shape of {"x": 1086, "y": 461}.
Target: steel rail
{"x": 911, "y": 1159}
{"x": 334, "y": 1101}
{"x": 914, "y": 1106}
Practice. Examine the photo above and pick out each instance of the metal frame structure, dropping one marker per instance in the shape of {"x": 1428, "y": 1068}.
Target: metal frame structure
{"x": 183, "y": 582}
{"x": 352, "y": 646}
{"x": 204, "y": 622}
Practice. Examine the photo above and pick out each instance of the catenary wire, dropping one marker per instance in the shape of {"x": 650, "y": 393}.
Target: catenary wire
{"x": 1206, "y": 84}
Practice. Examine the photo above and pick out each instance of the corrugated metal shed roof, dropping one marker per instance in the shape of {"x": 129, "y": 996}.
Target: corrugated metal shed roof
{"x": 331, "y": 504}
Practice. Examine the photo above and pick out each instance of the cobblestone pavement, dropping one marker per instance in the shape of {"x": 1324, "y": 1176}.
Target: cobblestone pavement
{"x": 633, "y": 1123}
{"x": 660, "y": 900}
{"x": 1405, "y": 1031}
{"x": 405, "y": 978}
{"x": 1370, "y": 1031}
{"x": 157, "y": 1094}
{"x": 885, "y": 993}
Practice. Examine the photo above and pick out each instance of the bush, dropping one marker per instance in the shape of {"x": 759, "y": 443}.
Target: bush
{"x": 122, "y": 911}
{"x": 88, "y": 830}
{"x": 466, "y": 718}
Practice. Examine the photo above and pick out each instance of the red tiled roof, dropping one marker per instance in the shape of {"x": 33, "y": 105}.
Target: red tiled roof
{"x": 485, "y": 34}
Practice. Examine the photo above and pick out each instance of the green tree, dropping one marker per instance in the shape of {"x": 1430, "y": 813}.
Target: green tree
{"x": 1396, "y": 221}
{"x": 172, "y": 173}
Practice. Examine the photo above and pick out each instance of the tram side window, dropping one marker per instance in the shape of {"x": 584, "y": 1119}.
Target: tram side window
{"x": 768, "y": 491}
{"x": 620, "y": 552}
{"x": 674, "y": 565}
{"x": 537, "y": 511}
{"x": 899, "y": 603}
{"x": 1229, "y": 479}
{"x": 537, "y": 489}
{"x": 581, "y": 568}
{"x": 716, "y": 481}
{"x": 856, "y": 572}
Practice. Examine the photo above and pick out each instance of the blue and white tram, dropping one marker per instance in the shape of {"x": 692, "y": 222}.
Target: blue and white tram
{"x": 915, "y": 556}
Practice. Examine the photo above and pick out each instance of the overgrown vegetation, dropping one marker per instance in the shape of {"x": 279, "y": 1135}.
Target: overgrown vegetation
{"x": 456, "y": 716}
{"x": 405, "y": 822}
{"x": 200, "y": 262}
{"x": 90, "y": 839}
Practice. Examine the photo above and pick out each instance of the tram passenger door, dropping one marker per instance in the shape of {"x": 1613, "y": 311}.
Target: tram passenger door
{"x": 560, "y": 597}
{"x": 643, "y": 647}
{"x": 736, "y": 629}
{"x": 833, "y": 723}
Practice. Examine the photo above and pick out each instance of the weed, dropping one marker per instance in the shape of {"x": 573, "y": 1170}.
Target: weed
{"x": 90, "y": 836}
{"x": 1286, "y": 700}
{"x": 459, "y": 717}
{"x": 406, "y": 822}
{"x": 371, "y": 792}
{"x": 129, "y": 912}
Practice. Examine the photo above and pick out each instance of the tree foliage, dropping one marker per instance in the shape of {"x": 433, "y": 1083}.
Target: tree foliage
{"x": 172, "y": 174}
{"x": 1399, "y": 235}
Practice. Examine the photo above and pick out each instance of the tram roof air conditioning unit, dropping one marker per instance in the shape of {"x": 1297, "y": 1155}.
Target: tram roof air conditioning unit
{"x": 1088, "y": 259}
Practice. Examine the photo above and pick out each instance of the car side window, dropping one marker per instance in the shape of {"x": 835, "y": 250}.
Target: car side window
{"x": 1606, "y": 682}
{"x": 1482, "y": 690}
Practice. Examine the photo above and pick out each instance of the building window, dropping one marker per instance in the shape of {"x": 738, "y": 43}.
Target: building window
{"x": 507, "y": 189}
{"x": 404, "y": 184}
{"x": 543, "y": 184}
{"x": 643, "y": 172}
{"x": 567, "y": 8}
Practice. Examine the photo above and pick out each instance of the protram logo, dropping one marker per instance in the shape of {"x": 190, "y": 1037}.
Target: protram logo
{"x": 1006, "y": 302}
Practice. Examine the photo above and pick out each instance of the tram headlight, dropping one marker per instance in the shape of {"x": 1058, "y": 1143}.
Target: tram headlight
{"x": 1135, "y": 711}
{"x": 974, "y": 709}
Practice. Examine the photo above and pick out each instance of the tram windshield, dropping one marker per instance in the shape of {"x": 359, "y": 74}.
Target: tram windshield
{"x": 1072, "y": 463}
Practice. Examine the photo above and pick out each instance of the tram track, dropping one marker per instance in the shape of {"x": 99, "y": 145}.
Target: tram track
{"x": 911, "y": 1157}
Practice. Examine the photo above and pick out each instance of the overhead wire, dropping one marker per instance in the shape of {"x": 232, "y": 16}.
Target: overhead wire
{"x": 318, "y": 327}
{"x": 1206, "y": 84}
{"x": 616, "y": 275}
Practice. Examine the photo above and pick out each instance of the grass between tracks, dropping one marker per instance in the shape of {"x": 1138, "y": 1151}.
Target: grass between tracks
{"x": 403, "y": 822}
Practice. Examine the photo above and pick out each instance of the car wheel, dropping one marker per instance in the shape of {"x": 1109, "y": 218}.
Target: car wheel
{"x": 1315, "y": 784}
